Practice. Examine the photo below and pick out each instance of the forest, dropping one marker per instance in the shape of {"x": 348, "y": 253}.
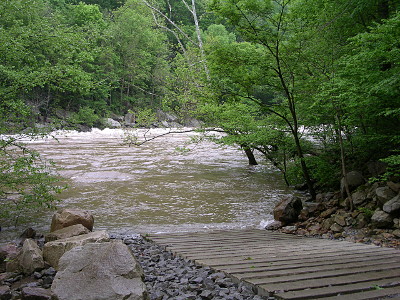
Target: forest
{"x": 313, "y": 85}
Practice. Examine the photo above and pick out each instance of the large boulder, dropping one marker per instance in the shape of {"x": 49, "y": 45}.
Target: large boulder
{"x": 287, "y": 211}
{"x": 67, "y": 232}
{"x": 111, "y": 123}
{"x": 105, "y": 271}
{"x": 384, "y": 194}
{"x": 354, "y": 180}
{"x": 52, "y": 251}
{"x": 69, "y": 217}
{"x": 30, "y": 258}
{"x": 393, "y": 206}
{"x": 381, "y": 219}
{"x": 129, "y": 119}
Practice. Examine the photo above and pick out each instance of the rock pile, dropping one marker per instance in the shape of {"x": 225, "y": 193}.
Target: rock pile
{"x": 375, "y": 219}
{"x": 89, "y": 265}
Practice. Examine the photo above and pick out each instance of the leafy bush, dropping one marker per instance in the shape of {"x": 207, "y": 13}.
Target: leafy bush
{"x": 145, "y": 118}
{"x": 85, "y": 116}
{"x": 27, "y": 182}
{"x": 392, "y": 169}
{"x": 366, "y": 211}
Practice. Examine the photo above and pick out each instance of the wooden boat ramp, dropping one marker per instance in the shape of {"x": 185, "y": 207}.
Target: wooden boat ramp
{"x": 292, "y": 267}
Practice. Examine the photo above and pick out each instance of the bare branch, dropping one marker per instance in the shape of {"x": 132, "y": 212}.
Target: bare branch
{"x": 170, "y": 21}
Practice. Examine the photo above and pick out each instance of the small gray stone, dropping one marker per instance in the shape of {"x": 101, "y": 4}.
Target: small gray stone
{"x": 336, "y": 228}
{"x": 359, "y": 197}
{"x": 35, "y": 293}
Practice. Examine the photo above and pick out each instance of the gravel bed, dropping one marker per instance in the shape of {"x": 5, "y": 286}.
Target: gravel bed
{"x": 171, "y": 277}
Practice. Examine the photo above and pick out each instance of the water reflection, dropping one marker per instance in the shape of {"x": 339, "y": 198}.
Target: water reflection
{"x": 154, "y": 188}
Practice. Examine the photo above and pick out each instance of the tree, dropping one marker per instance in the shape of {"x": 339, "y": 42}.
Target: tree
{"x": 266, "y": 24}
{"x": 140, "y": 51}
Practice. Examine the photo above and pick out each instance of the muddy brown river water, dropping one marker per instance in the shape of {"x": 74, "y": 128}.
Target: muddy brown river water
{"x": 158, "y": 187}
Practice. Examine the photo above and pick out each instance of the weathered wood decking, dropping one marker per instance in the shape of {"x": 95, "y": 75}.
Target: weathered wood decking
{"x": 292, "y": 267}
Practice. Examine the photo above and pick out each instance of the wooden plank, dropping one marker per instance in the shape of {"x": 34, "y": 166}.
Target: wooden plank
{"x": 291, "y": 259}
{"x": 291, "y": 254}
{"x": 280, "y": 277}
{"x": 345, "y": 279}
{"x": 300, "y": 269}
{"x": 393, "y": 293}
{"x": 351, "y": 289}
{"x": 253, "y": 235}
{"x": 305, "y": 262}
{"x": 228, "y": 253}
{"x": 234, "y": 246}
{"x": 292, "y": 267}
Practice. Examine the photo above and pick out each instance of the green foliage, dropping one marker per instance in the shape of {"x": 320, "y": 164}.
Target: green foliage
{"x": 85, "y": 116}
{"x": 324, "y": 171}
{"x": 139, "y": 50}
{"x": 145, "y": 118}
{"x": 392, "y": 169}
{"x": 366, "y": 211}
{"x": 83, "y": 14}
{"x": 27, "y": 182}
{"x": 105, "y": 4}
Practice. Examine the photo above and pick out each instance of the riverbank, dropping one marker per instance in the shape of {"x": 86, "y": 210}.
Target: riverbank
{"x": 375, "y": 218}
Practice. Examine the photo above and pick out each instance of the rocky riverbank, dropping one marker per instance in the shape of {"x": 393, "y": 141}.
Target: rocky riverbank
{"x": 73, "y": 262}
{"x": 375, "y": 218}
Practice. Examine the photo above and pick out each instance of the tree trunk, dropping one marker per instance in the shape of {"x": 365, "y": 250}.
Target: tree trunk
{"x": 249, "y": 154}
{"x": 343, "y": 162}
{"x": 304, "y": 168}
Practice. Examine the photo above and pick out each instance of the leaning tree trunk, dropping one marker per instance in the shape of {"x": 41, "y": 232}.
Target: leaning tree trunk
{"x": 249, "y": 154}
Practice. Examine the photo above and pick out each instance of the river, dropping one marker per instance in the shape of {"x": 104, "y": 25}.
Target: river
{"x": 165, "y": 185}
